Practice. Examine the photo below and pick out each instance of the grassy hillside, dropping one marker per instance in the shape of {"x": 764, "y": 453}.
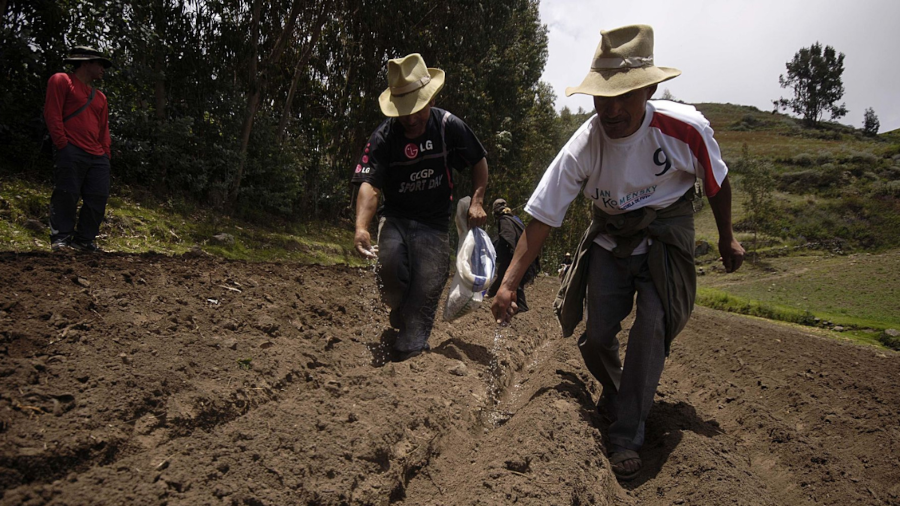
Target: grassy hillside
{"x": 828, "y": 250}
{"x": 831, "y": 184}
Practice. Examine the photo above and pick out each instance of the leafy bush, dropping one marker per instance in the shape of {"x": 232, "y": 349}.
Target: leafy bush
{"x": 823, "y": 157}
{"x": 811, "y": 180}
{"x": 749, "y": 122}
{"x": 860, "y": 157}
{"x": 802, "y": 159}
{"x": 871, "y": 123}
{"x": 758, "y": 182}
{"x": 856, "y": 222}
{"x": 889, "y": 189}
{"x": 890, "y": 339}
{"x": 890, "y": 173}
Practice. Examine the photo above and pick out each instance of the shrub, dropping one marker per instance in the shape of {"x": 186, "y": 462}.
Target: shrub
{"x": 823, "y": 157}
{"x": 890, "y": 339}
{"x": 890, "y": 173}
{"x": 871, "y": 123}
{"x": 811, "y": 180}
{"x": 862, "y": 157}
{"x": 889, "y": 189}
{"x": 802, "y": 159}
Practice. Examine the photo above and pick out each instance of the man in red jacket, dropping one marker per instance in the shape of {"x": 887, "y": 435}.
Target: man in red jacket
{"x": 77, "y": 117}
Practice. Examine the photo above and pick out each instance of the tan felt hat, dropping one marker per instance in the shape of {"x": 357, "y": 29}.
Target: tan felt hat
{"x": 623, "y": 62}
{"x": 411, "y": 85}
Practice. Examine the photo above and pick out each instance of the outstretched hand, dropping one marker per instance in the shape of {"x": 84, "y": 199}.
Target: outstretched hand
{"x": 363, "y": 243}
{"x": 732, "y": 254}
{"x": 504, "y": 306}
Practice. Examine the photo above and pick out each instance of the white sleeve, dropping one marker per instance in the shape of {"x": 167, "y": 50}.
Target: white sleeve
{"x": 711, "y": 181}
{"x": 563, "y": 179}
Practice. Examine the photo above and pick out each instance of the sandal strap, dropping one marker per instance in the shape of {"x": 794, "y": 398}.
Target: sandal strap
{"x": 623, "y": 455}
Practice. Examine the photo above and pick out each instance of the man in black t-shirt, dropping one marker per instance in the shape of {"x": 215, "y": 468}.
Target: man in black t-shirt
{"x": 409, "y": 160}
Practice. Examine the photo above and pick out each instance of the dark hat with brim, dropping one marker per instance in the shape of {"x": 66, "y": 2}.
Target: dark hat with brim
{"x": 85, "y": 53}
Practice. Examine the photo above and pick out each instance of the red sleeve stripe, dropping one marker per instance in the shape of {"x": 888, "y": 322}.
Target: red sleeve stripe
{"x": 687, "y": 134}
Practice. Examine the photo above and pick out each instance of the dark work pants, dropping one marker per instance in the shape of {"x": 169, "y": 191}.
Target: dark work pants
{"x": 413, "y": 263}
{"x": 629, "y": 390}
{"x": 78, "y": 175}
{"x": 505, "y": 253}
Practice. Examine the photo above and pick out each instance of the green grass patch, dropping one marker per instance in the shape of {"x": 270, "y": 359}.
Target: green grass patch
{"x": 139, "y": 223}
{"x": 717, "y": 299}
{"x": 859, "y": 290}
{"x": 855, "y": 329}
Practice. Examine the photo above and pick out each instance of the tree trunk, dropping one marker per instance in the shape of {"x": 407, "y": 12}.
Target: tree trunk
{"x": 257, "y": 82}
{"x": 159, "y": 95}
{"x": 301, "y": 64}
{"x": 159, "y": 87}
{"x": 253, "y": 100}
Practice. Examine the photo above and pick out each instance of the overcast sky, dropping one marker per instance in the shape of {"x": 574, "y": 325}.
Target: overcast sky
{"x": 732, "y": 51}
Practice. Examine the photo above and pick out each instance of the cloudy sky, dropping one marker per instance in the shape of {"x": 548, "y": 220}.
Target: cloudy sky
{"x": 732, "y": 51}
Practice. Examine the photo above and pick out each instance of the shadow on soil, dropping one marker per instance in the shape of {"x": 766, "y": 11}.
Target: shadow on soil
{"x": 665, "y": 428}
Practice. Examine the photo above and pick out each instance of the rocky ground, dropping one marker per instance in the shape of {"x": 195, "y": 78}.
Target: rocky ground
{"x": 191, "y": 380}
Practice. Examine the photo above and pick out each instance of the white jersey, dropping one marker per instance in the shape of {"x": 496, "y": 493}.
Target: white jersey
{"x": 653, "y": 167}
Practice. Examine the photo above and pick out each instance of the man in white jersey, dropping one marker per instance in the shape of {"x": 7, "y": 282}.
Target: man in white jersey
{"x": 638, "y": 161}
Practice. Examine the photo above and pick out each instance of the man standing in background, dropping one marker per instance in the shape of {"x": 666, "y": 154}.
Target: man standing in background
{"x": 77, "y": 117}
{"x": 509, "y": 229}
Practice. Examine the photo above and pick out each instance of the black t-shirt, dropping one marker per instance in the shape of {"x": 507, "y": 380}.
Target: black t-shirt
{"x": 411, "y": 173}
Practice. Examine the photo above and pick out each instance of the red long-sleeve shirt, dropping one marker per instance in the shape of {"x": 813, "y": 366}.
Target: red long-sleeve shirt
{"x": 89, "y": 130}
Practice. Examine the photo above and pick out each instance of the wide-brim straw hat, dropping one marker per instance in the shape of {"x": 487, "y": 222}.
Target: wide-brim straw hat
{"x": 86, "y": 53}
{"x": 623, "y": 62}
{"x": 411, "y": 85}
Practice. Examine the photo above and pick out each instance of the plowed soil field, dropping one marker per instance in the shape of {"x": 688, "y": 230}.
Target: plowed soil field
{"x": 192, "y": 380}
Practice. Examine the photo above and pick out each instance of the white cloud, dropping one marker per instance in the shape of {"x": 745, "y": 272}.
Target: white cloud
{"x": 733, "y": 51}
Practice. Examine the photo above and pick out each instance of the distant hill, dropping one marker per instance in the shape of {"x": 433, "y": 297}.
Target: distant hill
{"x": 893, "y": 135}
{"x": 780, "y": 137}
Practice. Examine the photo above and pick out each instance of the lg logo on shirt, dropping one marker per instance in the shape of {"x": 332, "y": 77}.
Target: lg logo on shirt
{"x": 411, "y": 150}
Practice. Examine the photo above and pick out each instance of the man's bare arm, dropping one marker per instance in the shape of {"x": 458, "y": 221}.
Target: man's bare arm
{"x": 366, "y": 204}
{"x": 477, "y": 216}
{"x": 729, "y": 248}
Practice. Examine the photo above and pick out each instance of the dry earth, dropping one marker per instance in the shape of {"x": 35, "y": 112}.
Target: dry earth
{"x": 191, "y": 380}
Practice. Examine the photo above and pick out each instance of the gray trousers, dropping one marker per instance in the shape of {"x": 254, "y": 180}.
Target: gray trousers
{"x": 629, "y": 390}
{"x": 413, "y": 263}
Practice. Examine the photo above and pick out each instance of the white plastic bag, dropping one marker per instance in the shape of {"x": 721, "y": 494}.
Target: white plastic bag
{"x": 476, "y": 266}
